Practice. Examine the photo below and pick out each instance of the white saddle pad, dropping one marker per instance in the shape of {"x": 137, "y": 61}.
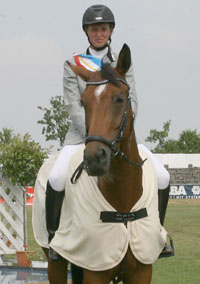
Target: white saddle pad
{"x": 83, "y": 239}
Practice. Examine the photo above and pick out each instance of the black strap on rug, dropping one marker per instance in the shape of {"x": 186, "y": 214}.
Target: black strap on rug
{"x": 120, "y": 217}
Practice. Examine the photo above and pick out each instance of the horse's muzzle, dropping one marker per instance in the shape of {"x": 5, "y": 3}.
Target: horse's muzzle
{"x": 97, "y": 159}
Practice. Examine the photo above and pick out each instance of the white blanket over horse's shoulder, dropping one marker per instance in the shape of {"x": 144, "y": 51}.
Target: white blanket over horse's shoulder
{"x": 38, "y": 209}
{"x": 83, "y": 239}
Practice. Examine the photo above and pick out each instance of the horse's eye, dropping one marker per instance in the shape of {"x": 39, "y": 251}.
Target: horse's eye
{"x": 119, "y": 98}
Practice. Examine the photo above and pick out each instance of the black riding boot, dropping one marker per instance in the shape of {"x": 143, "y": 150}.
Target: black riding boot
{"x": 53, "y": 205}
{"x": 163, "y": 197}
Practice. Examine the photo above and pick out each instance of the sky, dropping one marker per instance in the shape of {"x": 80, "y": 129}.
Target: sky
{"x": 36, "y": 37}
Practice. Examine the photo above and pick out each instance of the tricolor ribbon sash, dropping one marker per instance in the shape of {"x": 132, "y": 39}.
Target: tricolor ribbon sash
{"x": 87, "y": 61}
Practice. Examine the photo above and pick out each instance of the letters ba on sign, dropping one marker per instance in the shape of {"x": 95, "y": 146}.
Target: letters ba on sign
{"x": 185, "y": 191}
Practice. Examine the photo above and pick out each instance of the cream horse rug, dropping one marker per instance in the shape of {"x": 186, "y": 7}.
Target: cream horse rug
{"x": 82, "y": 237}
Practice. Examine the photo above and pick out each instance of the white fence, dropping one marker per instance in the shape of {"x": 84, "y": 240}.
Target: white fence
{"x": 13, "y": 235}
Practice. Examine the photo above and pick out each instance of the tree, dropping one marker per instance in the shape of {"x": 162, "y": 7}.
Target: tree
{"x": 20, "y": 157}
{"x": 159, "y": 137}
{"x": 6, "y": 136}
{"x": 55, "y": 119}
{"x": 188, "y": 141}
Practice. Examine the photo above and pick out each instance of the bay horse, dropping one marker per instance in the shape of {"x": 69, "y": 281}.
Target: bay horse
{"x": 111, "y": 154}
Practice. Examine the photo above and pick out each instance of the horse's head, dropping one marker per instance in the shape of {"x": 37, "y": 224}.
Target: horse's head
{"x": 107, "y": 112}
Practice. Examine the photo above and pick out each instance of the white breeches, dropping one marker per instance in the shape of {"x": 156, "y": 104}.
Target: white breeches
{"x": 161, "y": 173}
{"x": 58, "y": 172}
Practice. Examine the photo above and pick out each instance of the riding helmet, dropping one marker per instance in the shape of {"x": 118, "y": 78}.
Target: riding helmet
{"x": 98, "y": 14}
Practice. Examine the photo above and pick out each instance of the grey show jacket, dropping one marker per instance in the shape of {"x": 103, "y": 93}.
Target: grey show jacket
{"x": 73, "y": 87}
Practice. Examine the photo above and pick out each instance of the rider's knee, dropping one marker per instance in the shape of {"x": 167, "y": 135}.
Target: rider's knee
{"x": 57, "y": 182}
{"x": 163, "y": 179}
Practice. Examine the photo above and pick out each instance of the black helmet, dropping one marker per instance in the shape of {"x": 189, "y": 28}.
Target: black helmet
{"x": 98, "y": 14}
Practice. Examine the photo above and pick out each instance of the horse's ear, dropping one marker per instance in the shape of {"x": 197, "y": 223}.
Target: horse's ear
{"x": 80, "y": 71}
{"x": 124, "y": 60}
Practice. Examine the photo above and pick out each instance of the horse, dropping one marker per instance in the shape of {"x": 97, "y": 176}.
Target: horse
{"x": 111, "y": 154}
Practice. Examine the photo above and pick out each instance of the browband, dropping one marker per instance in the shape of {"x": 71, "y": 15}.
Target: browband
{"x": 106, "y": 81}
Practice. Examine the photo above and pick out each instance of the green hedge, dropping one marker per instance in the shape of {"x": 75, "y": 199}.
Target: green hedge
{"x": 20, "y": 159}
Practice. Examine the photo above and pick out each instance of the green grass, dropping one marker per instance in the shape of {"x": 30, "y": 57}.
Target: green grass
{"x": 183, "y": 224}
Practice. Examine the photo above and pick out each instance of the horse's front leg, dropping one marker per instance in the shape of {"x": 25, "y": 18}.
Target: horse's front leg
{"x": 142, "y": 275}
{"x": 97, "y": 277}
{"x": 57, "y": 270}
{"x": 136, "y": 272}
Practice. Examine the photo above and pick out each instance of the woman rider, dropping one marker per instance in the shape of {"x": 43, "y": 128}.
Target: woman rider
{"x": 98, "y": 24}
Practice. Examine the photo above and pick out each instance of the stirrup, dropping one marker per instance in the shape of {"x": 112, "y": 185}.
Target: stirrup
{"x": 53, "y": 255}
{"x": 168, "y": 250}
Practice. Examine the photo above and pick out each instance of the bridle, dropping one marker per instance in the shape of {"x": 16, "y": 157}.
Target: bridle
{"x": 117, "y": 140}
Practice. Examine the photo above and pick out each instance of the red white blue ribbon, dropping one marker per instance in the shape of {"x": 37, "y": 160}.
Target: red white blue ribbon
{"x": 87, "y": 61}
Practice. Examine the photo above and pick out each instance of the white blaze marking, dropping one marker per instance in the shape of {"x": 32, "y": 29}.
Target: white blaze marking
{"x": 99, "y": 90}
